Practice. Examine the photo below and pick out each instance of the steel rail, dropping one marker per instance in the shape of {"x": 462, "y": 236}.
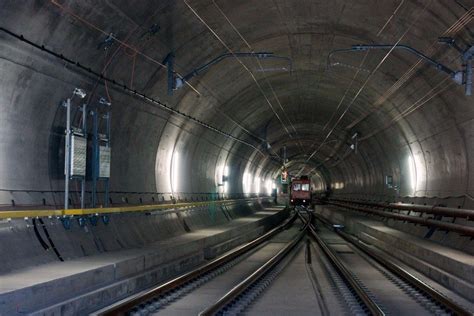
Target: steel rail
{"x": 403, "y": 273}
{"x": 461, "y": 229}
{"x": 254, "y": 277}
{"x": 124, "y": 307}
{"x": 21, "y": 214}
{"x": 372, "y": 307}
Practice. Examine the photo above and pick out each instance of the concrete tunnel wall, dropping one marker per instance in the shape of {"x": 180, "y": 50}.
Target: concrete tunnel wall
{"x": 428, "y": 151}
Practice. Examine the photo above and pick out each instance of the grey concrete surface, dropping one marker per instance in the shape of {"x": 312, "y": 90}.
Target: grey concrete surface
{"x": 213, "y": 290}
{"x": 451, "y": 268}
{"x": 84, "y": 284}
{"x": 296, "y": 292}
{"x": 413, "y": 123}
{"x": 437, "y": 135}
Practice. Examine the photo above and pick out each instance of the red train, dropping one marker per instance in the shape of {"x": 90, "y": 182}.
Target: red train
{"x": 300, "y": 191}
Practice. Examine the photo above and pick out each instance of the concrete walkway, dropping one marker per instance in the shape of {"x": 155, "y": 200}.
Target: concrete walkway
{"x": 84, "y": 284}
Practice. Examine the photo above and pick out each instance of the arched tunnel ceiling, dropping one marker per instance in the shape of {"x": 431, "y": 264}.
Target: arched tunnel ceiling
{"x": 398, "y": 105}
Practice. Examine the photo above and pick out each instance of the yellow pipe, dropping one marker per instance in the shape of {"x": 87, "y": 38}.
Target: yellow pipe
{"x": 107, "y": 210}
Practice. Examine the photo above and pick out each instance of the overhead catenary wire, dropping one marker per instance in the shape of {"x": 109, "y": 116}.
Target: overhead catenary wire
{"x": 241, "y": 63}
{"x": 256, "y": 59}
{"x": 135, "y": 51}
{"x": 457, "y": 26}
{"x": 127, "y": 89}
{"x": 260, "y": 67}
{"x": 371, "y": 75}
{"x": 121, "y": 42}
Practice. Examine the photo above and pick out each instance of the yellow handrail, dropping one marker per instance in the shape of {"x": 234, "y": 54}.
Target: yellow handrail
{"x": 11, "y": 214}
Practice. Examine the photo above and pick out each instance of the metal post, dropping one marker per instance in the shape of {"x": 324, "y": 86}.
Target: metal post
{"x": 467, "y": 58}
{"x": 84, "y": 130}
{"x": 106, "y": 197}
{"x": 95, "y": 155}
{"x": 67, "y": 158}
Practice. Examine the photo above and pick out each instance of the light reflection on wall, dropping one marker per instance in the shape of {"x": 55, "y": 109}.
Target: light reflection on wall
{"x": 338, "y": 185}
{"x": 175, "y": 172}
{"x": 268, "y": 186}
{"x": 411, "y": 174}
{"x": 246, "y": 182}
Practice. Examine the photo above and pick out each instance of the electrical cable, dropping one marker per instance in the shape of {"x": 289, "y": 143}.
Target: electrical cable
{"x": 135, "y": 52}
{"x": 122, "y": 43}
{"x": 371, "y": 75}
{"x": 38, "y": 236}
{"x": 451, "y": 31}
{"x": 128, "y": 90}
{"x": 241, "y": 63}
{"x": 261, "y": 68}
{"x": 45, "y": 230}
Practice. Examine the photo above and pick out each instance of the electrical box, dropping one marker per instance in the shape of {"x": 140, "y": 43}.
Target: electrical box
{"x": 104, "y": 162}
{"x": 78, "y": 156}
{"x": 389, "y": 182}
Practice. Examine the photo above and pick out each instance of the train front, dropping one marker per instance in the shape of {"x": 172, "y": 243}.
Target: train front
{"x": 300, "y": 192}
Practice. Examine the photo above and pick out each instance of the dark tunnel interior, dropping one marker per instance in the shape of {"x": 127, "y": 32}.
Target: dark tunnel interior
{"x": 414, "y": 123}
{"x": 199, "y": 99}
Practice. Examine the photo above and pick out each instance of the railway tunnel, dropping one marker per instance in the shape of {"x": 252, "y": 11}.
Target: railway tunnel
{"x": 147, "y": 150}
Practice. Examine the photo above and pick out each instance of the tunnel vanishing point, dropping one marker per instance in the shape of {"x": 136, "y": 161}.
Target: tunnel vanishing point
{"x": 220, "y": 157}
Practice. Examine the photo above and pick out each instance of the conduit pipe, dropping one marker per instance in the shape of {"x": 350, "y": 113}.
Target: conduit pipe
{"x": 461, "y": 229}
{"x": 430, "y": 209}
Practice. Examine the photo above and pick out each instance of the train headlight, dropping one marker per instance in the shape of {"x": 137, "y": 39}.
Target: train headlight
{"x": 304, "y": 201}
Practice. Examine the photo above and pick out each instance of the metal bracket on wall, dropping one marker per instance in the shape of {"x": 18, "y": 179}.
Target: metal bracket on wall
{"x": 462, "y": 77}
{"x": 180, "y": 81}
{"x": 101, "y": 150}
{"x": 467, "y": 59}
{"x": 169, "y": 62}
{"x": 107, "y": 42}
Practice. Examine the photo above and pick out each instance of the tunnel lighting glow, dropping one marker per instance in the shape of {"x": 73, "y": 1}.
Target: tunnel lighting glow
{"x": 411, "y": 174}
{"x": 257, "y": 185}
{"x": 175, "y": 172}
{"x": 222, "y": 174}
{"x": 338, "y": 185}
{"x": 246, "y": 182}
{"x": 225, "y": 172}
{"x": 268, "y": 186}
{"x": 226, "y": 187}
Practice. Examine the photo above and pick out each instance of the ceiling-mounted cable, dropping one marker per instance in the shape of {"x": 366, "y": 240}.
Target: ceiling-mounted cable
{"x": 371, "y": 75}
{"x": 457, "y": 26}
{"x": 243, "y": 65}
{"x": 112, "y": 36}
{"x": 260, "y": 66}
{"x": 127, "y": 89}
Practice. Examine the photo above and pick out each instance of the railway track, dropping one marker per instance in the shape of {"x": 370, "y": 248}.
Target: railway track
{"x": 298, "y": 269}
